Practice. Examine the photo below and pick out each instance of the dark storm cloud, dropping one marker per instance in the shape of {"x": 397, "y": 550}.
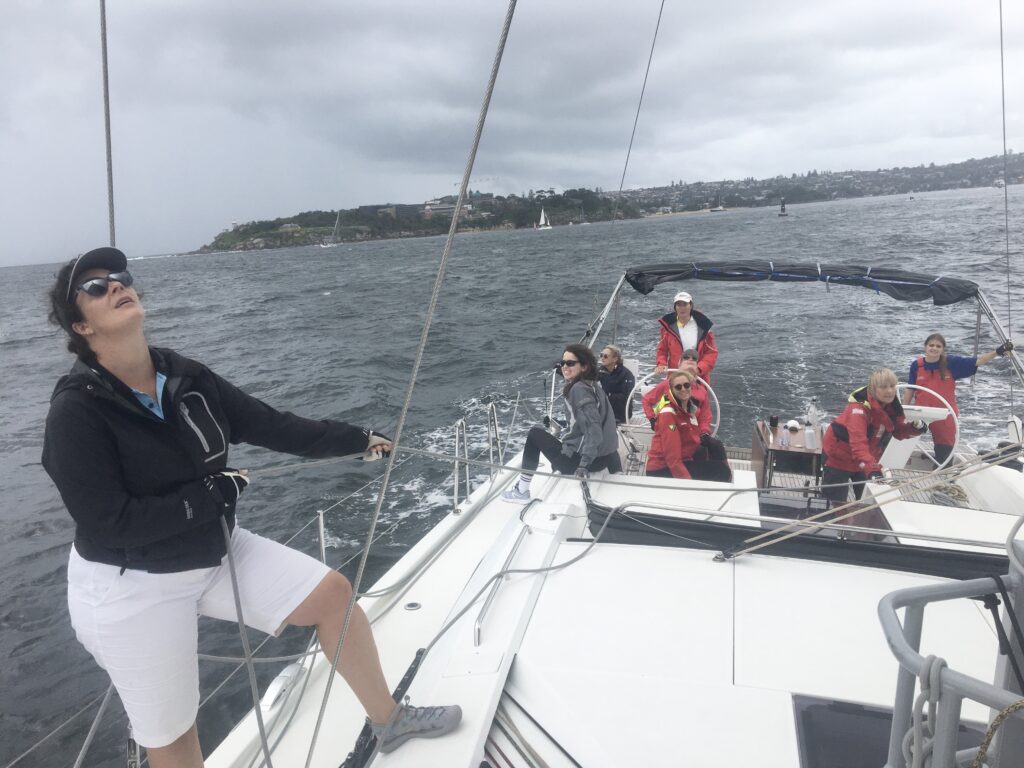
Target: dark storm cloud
{"x": 235, "y": 111}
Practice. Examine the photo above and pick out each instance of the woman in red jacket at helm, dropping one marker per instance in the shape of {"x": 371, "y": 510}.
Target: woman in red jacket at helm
{"x": 686, "y": 328}
{"x": 853, "y": 443}
{"x": 939, "y": 372}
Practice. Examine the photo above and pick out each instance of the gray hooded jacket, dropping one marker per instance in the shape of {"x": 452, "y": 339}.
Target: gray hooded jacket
{"x": 592, "y": 430}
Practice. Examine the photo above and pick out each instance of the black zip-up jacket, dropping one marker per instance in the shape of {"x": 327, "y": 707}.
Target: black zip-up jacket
{"x": 135, "y": 484}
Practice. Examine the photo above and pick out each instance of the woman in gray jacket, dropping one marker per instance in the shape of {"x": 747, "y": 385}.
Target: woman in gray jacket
{"x": 591, "y": 444}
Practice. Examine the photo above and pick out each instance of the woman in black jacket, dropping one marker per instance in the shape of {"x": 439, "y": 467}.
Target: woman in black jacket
{"x": 616, "y": 380}
{"x": 137, "y": 443}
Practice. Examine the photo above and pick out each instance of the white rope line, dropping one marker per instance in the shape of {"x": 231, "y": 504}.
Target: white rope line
{"x": 1006, "y": 188}
{"x": 435, "y": 296}
{"x": 636, "y": 119}
{"x": 106, "y": 119}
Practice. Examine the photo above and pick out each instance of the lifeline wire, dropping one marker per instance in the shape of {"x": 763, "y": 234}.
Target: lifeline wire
{"x": 463, "y": 189}
{"x": 636, "y": 119}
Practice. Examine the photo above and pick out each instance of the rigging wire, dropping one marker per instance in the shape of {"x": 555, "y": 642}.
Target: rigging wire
{"x": 636, "y": 119}
{"x": 439, "y": 281}
{"x": 106, "y": 119}
{"x": 1006, "y": 190}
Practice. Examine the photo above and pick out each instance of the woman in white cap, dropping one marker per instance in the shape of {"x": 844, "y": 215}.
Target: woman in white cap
{"x": 137, "y": 442}
{"x": 686, "y": 328}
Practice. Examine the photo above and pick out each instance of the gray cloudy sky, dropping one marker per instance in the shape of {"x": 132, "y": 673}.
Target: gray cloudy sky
{"x": 225, "y": 110}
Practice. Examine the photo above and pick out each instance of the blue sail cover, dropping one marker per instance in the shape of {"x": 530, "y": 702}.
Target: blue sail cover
{"x": 905, "y": 286}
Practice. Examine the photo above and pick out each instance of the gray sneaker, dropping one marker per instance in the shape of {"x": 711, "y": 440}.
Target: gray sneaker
{"x": 515, "y": 495}
{"x": 415, "y": 723}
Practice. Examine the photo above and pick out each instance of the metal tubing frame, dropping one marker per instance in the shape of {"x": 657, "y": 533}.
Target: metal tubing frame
{"x": 460, "y": 430}
{"x": 985, "y": 307}
{"x": 904, "y": 642}
{"x": 590, "y": 336}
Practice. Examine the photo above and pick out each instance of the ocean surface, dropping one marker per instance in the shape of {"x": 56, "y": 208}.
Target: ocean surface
{"x": 333, "y": 333}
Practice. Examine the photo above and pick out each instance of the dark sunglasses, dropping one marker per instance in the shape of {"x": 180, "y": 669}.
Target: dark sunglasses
{"x": 681, "y": 387}
{"x": 567, "y": 363}
{"x": 98, "y": 286}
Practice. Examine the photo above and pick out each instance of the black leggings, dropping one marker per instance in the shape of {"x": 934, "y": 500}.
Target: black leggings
{"x": 539, "y": 441}
{"x": 838, "y": 478}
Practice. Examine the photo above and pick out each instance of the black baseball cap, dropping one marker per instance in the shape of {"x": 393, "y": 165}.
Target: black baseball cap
{"x": 98, "y": 258}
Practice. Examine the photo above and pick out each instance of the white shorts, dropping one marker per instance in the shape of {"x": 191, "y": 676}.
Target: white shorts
{"x": 142, "y": 628}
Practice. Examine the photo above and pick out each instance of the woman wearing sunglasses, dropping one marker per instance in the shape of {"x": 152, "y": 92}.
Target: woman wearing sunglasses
{"x": 616, "y": 380}
{"x": 654, "y": 399}
{"x": 137, "y": 442}
{"x": 592, "y": 442}
{"x": 679, "y": 448}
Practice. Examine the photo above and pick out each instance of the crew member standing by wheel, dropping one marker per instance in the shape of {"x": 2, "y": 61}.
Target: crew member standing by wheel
{"x": 685, "y": 328}
{"x": 939, "y": 372}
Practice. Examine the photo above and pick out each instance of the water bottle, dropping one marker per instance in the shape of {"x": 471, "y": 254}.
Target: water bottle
{"x": 811, "y": 432}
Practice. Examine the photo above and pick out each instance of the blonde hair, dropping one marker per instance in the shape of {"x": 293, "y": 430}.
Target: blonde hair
{"x": 881, "y": 377}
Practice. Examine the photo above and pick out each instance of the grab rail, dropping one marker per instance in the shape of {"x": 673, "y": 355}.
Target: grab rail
{"x": 493, "y": 591}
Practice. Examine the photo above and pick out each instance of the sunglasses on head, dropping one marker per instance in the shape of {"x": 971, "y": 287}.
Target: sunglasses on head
{"x": 98, "y": 286}
{"x": 567, "y": 363}
{"x": 682, "y": 386}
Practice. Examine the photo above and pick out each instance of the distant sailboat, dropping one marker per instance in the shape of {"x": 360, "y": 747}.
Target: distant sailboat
{"x": 782, "y": 208}
{"x": 333, "y": 239}
{"x": 718, "y": 205}
{"x": 544, "y": 222}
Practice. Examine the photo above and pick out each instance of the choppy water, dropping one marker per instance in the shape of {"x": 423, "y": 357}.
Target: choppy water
{"x": 332, "y": 332}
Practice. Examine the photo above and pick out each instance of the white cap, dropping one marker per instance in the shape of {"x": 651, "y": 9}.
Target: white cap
{"x": 793, "y": 425}
{"x": 682, "y": 296}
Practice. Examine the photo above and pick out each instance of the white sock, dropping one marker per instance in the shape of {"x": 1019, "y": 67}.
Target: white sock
{"x": 524, "y": 483}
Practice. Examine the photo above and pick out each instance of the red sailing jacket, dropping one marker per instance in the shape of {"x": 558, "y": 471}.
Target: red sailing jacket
{"x": 853, "y": 442}
{"x": 676, "y": 439}
{"x": 943, "y": 432}
{"x": 670, "y": 348}
{"x": 653, "y": 402}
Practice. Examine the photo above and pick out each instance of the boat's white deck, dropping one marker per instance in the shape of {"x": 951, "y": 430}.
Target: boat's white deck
{"x": 712, "y": 648}
{"x": 634, "y": 655}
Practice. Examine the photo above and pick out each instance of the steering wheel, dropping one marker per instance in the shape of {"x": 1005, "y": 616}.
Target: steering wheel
{"x": 900, "y": 388}
{"x": 640, "y": 418}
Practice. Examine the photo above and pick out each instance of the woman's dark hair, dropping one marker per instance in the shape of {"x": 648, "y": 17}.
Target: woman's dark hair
{"x": 943, "y": 363}
{"x": 65, "y": 314}
{"x": 588, "y": 364}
